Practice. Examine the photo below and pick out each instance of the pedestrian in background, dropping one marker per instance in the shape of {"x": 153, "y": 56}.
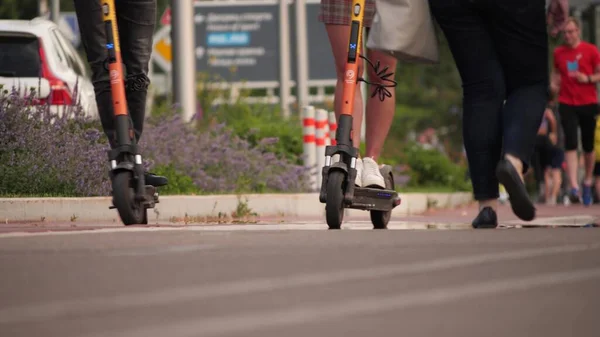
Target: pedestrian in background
{"x": 575, "y": 74}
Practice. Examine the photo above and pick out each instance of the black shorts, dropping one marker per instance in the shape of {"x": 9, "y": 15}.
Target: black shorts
{"x": 549, "y": 155}
{"x": 597, "y": 169}
{"x": 578, "y": 117}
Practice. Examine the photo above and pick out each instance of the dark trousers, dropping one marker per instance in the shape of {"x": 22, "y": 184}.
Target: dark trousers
{"x": 136, "y": 20}
{"x": 543, "y": 157}
{"x": 501, "y": 51}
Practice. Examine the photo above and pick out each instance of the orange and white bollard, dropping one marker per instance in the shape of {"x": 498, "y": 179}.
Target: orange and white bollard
{"x": 309, "y": 139}
{"x": 321, "y": 127}
{"x": 332, "y": 127}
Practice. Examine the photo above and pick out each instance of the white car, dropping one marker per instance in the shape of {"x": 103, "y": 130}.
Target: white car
{"x": 36, "y": 54}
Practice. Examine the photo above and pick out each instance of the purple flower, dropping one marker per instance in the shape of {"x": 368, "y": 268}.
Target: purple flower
{"x": 46, "y": 153}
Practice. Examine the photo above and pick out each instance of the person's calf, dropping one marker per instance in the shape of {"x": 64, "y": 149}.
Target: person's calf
{"x": 572, "y": 168}
{"x": 492, "y": 203}
{"x": 136, "y": 87}
{"x": 517, "y": 163}
{"x": 511, "y": 176}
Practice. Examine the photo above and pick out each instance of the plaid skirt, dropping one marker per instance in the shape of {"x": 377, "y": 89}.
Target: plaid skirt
{"x": 337, "y": 12}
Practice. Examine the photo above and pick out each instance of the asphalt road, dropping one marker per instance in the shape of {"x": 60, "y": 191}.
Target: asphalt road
{"x": 233, "y": 282}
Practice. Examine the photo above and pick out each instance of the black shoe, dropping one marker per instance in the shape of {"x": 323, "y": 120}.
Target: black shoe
{"x": 520, "y": 203}
{"x": 486, "y": 218}
{"x": 154, "y": 180}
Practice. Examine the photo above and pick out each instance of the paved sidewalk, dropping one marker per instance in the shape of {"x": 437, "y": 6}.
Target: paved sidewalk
{"x": 505, "y": 213}
{"x": 455, "y": 218}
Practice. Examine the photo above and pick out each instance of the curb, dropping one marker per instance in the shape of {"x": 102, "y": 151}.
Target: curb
{"x": 211, "y": 206}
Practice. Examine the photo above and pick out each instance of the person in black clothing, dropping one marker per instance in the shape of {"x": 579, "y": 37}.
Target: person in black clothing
{"x": 501, "y": 52}
{"x": 136, "y": 20}
{"x": 549, "y": 156}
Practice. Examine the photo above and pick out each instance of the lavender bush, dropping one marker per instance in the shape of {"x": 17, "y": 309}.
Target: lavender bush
{"x": 42, "y": 153}
{"x": 217, "y": 160}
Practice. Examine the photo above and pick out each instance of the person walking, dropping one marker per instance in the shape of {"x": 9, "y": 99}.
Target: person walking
{"x": 136, "y": 21}
{"x": 501, "y": 52}
{"x": 575, "y": 74}
{"x": 549, "y": 156}
{"x": 335, "y": 14}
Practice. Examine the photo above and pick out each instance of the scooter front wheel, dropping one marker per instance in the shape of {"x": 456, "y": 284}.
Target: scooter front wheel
{"x": 132, "y": 212}
{"x": 334, "y": 207}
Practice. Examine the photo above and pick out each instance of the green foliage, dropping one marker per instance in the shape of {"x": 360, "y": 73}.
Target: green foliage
{"x": 432, "y": 168}
{"x": 258, "y": 122}
{"x": 409, "y": 119}
{"x": 252, "y": 122}
{"x": 21, "y": 179}
{"x": 28, "y": 9}
{"x": 179, "y": 183}
{"x": 429, "y": 96}
{"x": 18, "y": 9}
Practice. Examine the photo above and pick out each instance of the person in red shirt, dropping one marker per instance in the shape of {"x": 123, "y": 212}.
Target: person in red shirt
{"x": 576, "y": 68}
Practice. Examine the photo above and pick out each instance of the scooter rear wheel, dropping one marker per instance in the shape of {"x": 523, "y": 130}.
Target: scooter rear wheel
{"x": 334, "y": 207}
{"x": 132, "y": 212}
{"x": 380, "y": 219}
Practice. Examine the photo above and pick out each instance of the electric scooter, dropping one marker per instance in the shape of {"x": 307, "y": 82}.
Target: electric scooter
{"x": 337, "y": 188}
{"x": 131, "y": 196}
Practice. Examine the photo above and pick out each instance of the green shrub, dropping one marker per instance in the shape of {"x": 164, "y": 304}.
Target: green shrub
{"x": 257, "y": 122}
{"x": 433, "y": 168}
{"x": 179, "y": 183}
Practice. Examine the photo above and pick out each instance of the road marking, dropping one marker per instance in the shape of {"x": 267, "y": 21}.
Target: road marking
{"x": 88, "y": 306}
{"x": 160, "y": 250}
{"x": 243, "y": 323}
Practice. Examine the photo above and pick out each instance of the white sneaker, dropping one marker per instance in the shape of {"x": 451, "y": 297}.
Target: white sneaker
{"x": 371, "y": 176}
{"x": 359, "y": 172}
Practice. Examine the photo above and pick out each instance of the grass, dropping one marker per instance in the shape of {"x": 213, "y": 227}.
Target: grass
{"x": 426, "y": 189}
{"x": 41, "y": 195}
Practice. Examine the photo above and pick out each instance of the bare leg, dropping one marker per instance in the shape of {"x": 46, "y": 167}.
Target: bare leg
{"x": 380, "y": 114}
{"x": 549, "y": 185}
{"x": 557, "y": 181}
{"x": 572, "y": 166}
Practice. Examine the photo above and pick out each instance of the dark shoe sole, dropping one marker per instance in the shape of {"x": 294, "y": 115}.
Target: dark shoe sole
{"x": 156, "y": 182}
{"x": 589, "y": 196}
{"x": 519, "y": 199}
{"x": 485, "y": 225}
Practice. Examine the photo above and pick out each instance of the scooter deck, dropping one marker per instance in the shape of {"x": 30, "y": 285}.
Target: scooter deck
{"x": 374, "y": 199}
